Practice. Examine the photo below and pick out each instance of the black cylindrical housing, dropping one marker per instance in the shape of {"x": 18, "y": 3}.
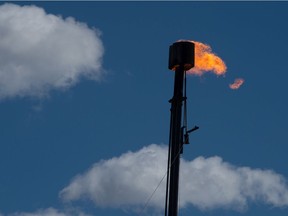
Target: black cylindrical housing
{"x": 181, "y": 53}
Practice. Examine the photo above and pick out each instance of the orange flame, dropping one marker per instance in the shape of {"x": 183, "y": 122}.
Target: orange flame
{"x": 206, "y": 60}
{"x": 237, "y": 83}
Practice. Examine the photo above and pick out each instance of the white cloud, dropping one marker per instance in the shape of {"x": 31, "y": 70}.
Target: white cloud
{"x": 48, "y": 212}
{"x": 40, "y": 52}
{"x": 42, "y": 212}
{"x": 211, "y": 183}
{"x": 121, "y": 181}
{"x": 207, "y": 183}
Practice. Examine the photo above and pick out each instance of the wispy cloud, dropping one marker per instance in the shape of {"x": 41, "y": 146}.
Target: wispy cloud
{"x": 207, "y": 183}
{"x": 40, "y": 52}
{"x": 48, "y": 212}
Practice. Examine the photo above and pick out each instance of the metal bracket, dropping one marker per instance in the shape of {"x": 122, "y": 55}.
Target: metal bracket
{"x": 186, "y": 135}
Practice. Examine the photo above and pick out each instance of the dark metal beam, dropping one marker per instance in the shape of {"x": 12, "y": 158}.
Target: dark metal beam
{"x": 181, "y": 58}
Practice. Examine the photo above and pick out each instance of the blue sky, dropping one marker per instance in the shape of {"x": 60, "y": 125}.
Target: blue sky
{"x": 85, "y": 94}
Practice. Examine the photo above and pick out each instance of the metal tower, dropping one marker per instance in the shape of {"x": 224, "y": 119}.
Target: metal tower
{"x": 181, "y": 59}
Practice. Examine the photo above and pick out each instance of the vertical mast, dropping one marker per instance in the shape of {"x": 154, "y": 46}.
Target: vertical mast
{"x": 181, "y": 58}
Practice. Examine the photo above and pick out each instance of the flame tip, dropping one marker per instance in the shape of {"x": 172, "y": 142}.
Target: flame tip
{"x": 237, "y": 83}
{"x": 206, "y": 60}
